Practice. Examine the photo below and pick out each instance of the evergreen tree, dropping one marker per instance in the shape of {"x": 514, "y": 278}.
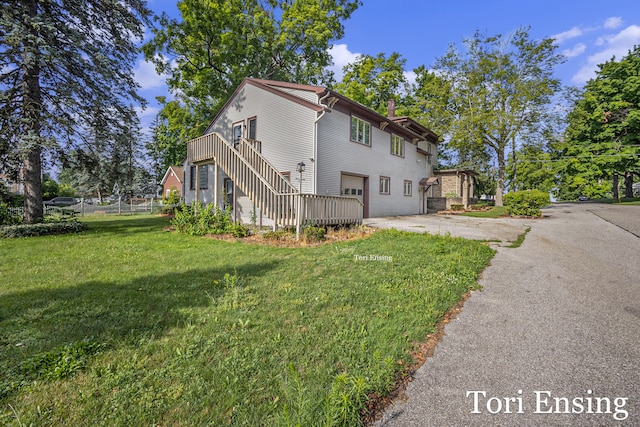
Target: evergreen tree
{"x": 59, "y": 60}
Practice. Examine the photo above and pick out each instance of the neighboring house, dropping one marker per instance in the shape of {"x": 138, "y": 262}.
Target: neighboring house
{"x": 173, "y": 179}
{"x": 356, "y": 162}
{"x": 453, "y": 186}
{"x": 12, "y": 186}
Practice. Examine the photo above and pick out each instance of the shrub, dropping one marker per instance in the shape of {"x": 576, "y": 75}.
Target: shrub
{"x": 239, "y": 230}
{"x": 43, "y": 229}
{"x": 198, "y": 220}
{"x": 276, "y": 235}
{"x": 313, "y": 233}
{"x": 526, "y": 202}
{"x": 457, "y": 207}
{"x": 174, "y": 197}
{"x": 6, "y": 217}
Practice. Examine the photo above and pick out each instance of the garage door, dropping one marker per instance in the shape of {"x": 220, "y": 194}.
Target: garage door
{"x": 353, "y": 186}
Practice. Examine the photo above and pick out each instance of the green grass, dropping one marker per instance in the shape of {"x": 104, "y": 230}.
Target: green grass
{"x": 126, "y": 324}
{"x": 520, "y": 240}
{"x": 494, "y": 212}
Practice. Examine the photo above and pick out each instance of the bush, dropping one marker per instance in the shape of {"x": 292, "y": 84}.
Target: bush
{"x": 198, "y": 220}
{"x": 276, "y": 235}
{"x": 457, "y": 207}
{"x": 313, "y": 233}
{"x": 526, "y": 202}
{"x": 6, "y": 218}
{"x": 43, "y": 229}
{"x": 239, "y": 230}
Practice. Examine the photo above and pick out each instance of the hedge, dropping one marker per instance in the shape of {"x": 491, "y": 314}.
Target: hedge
{"x": 43, "y": 229}
{"x": 526, "y": 202}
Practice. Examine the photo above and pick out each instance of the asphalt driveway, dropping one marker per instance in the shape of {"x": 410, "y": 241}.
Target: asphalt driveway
{"x": 553, "y": 339}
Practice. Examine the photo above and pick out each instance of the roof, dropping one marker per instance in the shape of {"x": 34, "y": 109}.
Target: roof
{"x": 452, "y": 171}
{"x": 334, "y": 100}
{"x": 178, "y": 172}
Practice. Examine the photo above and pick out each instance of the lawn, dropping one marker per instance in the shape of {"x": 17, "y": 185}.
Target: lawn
{"x": 126, "y": 324}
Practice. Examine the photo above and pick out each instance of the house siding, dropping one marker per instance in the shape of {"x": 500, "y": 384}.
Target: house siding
{"x": 338, "y": 155}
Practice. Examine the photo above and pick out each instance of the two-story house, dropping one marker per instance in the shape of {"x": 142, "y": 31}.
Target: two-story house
{"x": 279, "y": 148}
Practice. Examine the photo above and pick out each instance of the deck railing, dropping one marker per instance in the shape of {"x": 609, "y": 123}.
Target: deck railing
{"x": 272, "y": 193}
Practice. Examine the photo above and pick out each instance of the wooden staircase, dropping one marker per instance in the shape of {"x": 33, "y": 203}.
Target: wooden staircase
{"x": 271, "y": 192}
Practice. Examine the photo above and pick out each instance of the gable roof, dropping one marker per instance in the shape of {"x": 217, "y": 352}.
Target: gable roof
{"x": 178, "y": 172}
{"x": 334, "y": 100}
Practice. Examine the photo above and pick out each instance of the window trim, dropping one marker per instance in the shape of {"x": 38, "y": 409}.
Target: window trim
{"x": 397, "y": 142}
{"x": 382, "y": 181}
{"x": 366, "y": 125}
{"x": 410, "y": 192}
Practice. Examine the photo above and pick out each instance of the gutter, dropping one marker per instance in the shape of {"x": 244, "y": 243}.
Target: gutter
{"x": 315, "y": 141}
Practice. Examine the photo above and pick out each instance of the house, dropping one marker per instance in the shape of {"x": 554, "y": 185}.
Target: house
{"x": 277, "y": 149}
{"x": 173, "y": 179}
{"x": 452, "y": 186}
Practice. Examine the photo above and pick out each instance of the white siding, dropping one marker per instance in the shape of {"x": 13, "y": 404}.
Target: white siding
{"x": 285, "y": 128}
{"x": 336, "y": 154}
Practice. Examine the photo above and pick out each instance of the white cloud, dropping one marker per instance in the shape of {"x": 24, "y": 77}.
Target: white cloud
{"x": 410, "y": 76}
{"x": 613, "y": 22}
{"x": 566, "y": 35}
{"x": 145, "y": 74}
{"x": 577, "y": 50}
{"x": 617, "y": 45}
{"x": 341, "y": 56}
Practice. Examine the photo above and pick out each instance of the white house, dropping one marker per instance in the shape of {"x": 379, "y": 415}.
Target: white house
{"x": 357, "y": 163}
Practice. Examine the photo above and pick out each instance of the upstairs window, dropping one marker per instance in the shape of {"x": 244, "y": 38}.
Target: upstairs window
{"x": 360, "y": 131}
{"x": 252, "y": 128}
{"x": 397, "y": 145}
{"x": 192, "y": 178}
{"x": 407, "y": 187}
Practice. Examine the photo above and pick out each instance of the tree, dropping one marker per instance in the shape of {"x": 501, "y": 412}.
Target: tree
{"x": 490, "y": 96}
{"x": 217, "y": 43}
{"x": 602, "y": 141}
{"x": 374, "y": 81}
{"x": 59, "y": 59}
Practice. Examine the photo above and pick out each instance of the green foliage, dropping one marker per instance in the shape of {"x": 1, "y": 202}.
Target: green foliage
{"x": 276, "y": 235}
{"x": 496, "y": 91}
{"x": 198, "y": 220}
{"x": 215, "y": 44}
{"x": 7, "y": 218}
{"x": 42, "y": 229}
{"x": 603, "y": 136}
{"x": 313, "y": 233}
{"x": 174, "y": 197}
{"x": 526, "y": 202}
{"x": 457, "y": 207}
{"x": 65, "y": 66}
{"x": 374, "y": 81}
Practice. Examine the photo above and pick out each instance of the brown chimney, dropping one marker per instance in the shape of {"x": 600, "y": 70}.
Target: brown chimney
{"x": 391, "y": 108}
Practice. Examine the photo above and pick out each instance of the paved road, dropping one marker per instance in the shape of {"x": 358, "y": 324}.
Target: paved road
{"x": 559, "y": 318}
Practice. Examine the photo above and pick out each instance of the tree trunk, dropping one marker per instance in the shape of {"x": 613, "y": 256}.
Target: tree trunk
{"x": 32, "y": 108}
{"x": 615, "y": 185}
{"x": 500, "y": 185}
{"x": 628, "y": 184}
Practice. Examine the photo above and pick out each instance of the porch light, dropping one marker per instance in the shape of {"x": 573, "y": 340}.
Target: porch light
{"x": 300, "y": 167}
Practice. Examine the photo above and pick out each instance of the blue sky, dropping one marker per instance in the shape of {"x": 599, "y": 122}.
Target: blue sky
{"x": 587, "y": 32}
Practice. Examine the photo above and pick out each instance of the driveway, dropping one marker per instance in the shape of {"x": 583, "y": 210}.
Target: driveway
{"x": 501, "y": 231}
{"x": 553, "y": 339}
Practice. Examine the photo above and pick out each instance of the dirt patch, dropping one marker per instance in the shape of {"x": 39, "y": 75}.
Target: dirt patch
{"x": 288, "y": 240}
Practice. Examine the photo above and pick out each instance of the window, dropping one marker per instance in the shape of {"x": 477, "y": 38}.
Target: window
{"x": 397, "y": 145}
{"x": 192, "y": 178}
{"x": 407, "y": 187}
{"x": 237, "y": 134}
{"x": 360, "y": 131}
{"x": 204, "y": 177}
{"x": 228, "y": 194}
{"x": 252, "y": 128}
{"x": 385, "y": 185}
{"x": 429, "y": 155}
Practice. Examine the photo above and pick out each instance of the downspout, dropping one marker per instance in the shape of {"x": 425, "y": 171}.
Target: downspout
{"x": 315, "y": 142}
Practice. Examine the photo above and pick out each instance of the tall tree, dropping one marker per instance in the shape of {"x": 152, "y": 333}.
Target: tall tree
{"x": 217, "y": 43}
{"x": 59, "y": 59}
{"x": 602, "y": 140}
{"x": 373, "y": 81}
{"x": 492, "y": 94}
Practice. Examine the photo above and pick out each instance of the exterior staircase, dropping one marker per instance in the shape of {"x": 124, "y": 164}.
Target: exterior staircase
{"x": 271, "y": 192}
